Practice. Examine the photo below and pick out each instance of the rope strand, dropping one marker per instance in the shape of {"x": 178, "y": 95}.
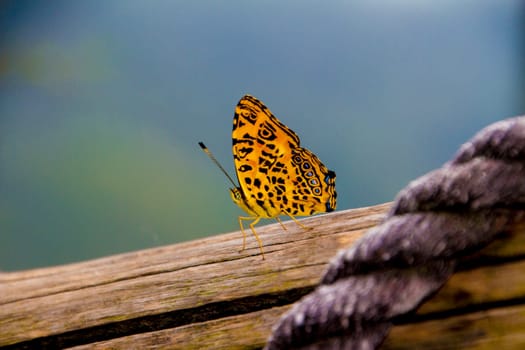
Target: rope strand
{"x": 438, "y": 218}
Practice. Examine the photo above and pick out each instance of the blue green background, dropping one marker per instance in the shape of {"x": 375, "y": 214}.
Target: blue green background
{"x": 102, "y": 104}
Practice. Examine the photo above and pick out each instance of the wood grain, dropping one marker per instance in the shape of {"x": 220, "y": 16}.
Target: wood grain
{"x": 494, "y": 328}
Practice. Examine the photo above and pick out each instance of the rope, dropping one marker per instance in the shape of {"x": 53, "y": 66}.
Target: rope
{"x": 437, "y": 219}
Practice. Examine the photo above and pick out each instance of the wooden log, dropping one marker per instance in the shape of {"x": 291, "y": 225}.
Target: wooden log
{"x": 205, "y": 294}
{"x": 494, "y": 328}
{"x": 175, "y": 287}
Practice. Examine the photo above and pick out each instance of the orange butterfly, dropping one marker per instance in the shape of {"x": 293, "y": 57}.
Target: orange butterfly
{"x": 276, "y": 176}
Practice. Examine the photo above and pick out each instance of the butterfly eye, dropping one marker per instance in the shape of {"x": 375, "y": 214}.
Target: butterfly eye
{"x": 306, "y": 165}
{"x": 297, "y": 159}
{"x": 317, "y": 190}
{"x": 309, "y": 174}
{"x": 314, "y": 182}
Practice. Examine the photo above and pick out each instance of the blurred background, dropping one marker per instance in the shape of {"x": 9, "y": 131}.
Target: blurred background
{"x": 102, "y": 104}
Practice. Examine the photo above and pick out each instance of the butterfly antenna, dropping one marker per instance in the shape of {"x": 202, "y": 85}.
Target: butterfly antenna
{"x": 207, "y": 151}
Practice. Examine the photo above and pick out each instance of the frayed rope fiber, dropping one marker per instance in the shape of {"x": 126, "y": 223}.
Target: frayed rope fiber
{"x": 442, "y": 216}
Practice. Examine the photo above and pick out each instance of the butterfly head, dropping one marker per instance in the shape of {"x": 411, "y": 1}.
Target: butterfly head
{"x": 239, "y": 199}
{"x": 236, "y": 195}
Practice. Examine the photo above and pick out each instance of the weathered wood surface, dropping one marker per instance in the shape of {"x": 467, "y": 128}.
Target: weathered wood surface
{"x": 205, "y": 294}
{"x": 176, "y": 288}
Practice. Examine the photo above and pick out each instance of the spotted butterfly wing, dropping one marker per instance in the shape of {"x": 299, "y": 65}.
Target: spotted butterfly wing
{"x": 276, "y": 175}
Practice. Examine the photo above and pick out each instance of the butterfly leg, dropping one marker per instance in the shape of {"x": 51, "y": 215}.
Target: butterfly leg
{"x": 298, "y": 223}
{"x": 282, "y": 225}
{"x": 241, "y": 218}
{"x": 252, "y": 227}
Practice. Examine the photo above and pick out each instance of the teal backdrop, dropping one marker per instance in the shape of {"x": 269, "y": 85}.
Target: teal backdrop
{"x": 102, "y": 104}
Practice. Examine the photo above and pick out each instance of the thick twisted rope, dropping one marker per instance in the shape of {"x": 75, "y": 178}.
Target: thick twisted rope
{"x": 438, "y": 218}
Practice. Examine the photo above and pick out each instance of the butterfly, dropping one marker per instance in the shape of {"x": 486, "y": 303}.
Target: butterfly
{"x": 276, "y": 175}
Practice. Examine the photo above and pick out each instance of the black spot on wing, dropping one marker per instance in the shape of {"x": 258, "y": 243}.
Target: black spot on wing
{"x": 245, "y": 167}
